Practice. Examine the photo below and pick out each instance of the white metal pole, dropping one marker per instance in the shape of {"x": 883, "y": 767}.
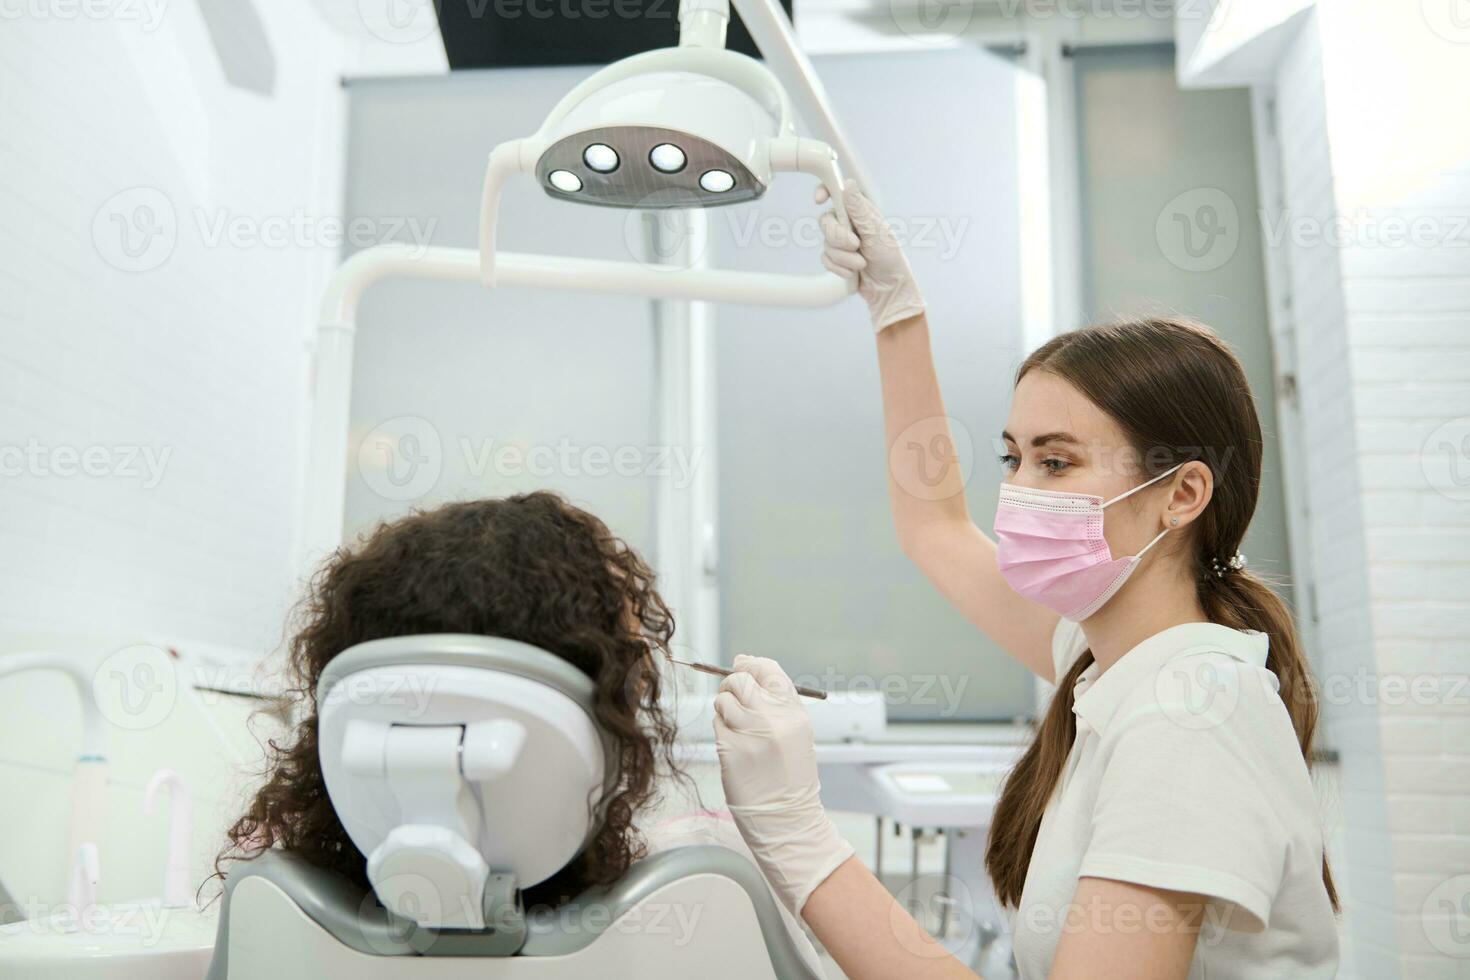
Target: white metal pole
{"x": 774, "y": 36}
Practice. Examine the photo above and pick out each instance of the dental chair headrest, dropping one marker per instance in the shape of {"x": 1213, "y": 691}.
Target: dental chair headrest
{"x": 463, "y": 767}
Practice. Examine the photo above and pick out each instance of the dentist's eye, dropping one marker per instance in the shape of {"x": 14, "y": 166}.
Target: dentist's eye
{"x": 1009, "y": 461}
{"x": 1055, "y": 466}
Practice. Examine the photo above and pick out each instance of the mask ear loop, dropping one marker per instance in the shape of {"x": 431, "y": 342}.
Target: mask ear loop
{"x": 1160, "y": 536}
{"x": 1129, "y": 493}
{"x": 1157, "y": 538}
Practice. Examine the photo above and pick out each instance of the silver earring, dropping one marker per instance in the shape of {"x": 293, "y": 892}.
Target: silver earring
{"x": 1173, "y": 522}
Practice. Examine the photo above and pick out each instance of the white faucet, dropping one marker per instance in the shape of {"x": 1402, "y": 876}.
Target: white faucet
{"x": 176, "y": 864}
{"x": 89, "y": 786}
{"x": 82, "y": 892}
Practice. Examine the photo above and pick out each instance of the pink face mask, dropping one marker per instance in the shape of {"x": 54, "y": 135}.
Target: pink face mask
{"x": 1051, "y": 548}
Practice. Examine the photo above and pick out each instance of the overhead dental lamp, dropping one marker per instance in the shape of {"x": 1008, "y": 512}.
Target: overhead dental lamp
{"x": 688, "y": 127}
{"x": 694, "y": 126}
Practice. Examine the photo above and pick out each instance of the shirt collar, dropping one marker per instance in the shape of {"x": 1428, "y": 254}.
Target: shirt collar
{"x": 1097, "y": 694}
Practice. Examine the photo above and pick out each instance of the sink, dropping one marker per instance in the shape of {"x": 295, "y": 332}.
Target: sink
{"x": 127, "y": 941}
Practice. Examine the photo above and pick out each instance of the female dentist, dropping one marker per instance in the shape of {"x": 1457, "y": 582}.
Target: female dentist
{"x": 1163, "y": 823}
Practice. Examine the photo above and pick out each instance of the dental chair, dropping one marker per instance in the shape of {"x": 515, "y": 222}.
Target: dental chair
{"x": 465, "y": 769}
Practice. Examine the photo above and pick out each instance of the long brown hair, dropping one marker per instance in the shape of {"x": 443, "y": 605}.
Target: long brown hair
{"x": 531, "y": 568}
{"x": 1180, "y": 394}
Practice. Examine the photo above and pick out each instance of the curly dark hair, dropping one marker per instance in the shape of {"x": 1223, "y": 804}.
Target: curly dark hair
{"x": 530, "y": 567}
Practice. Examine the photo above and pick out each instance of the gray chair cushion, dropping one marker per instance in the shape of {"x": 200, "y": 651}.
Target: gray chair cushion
{"x": 353, "y": 915}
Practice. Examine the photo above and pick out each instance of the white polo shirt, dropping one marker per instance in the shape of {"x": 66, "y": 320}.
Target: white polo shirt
{"x": 1185, "y": 775}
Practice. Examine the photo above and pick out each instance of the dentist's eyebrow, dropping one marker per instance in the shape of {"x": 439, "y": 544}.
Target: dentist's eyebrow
{"x": 1047, "y": 437}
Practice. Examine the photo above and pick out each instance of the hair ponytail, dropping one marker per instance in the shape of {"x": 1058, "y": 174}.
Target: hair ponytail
{"x": 1243, "y": 601}
{"x": 1180, "y": 394}
{"x": 1028, "y": 789}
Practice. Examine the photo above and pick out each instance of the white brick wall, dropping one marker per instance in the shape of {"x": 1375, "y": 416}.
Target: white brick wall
{"x": 196, "y": 352}
{"x": 1371, "y": 106}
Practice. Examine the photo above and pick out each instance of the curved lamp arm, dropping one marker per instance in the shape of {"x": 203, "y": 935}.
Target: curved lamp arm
{"x": 788, "y": 153}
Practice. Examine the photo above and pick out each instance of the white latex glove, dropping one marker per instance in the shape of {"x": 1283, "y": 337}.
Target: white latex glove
{"x": 873, "y": 255}
{"x": 769, "y": 767}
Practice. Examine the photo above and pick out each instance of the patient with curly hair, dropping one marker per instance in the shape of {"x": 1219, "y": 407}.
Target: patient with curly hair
{"x": 531, "y": 568}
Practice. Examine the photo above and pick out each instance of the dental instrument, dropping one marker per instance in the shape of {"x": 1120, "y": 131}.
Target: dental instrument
{"x": 806, "y": 692}
{"x": 176, "y": 864}
{"x": 688, "y": 126}
{"x": 89, "y": 785}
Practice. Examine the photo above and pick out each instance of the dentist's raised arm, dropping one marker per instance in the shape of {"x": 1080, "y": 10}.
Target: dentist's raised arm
{"x": 925, "y": 486}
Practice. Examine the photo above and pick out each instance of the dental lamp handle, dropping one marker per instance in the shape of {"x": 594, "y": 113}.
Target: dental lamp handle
{"x": 861, "y": 247}
{"x": 797, "y": 154}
